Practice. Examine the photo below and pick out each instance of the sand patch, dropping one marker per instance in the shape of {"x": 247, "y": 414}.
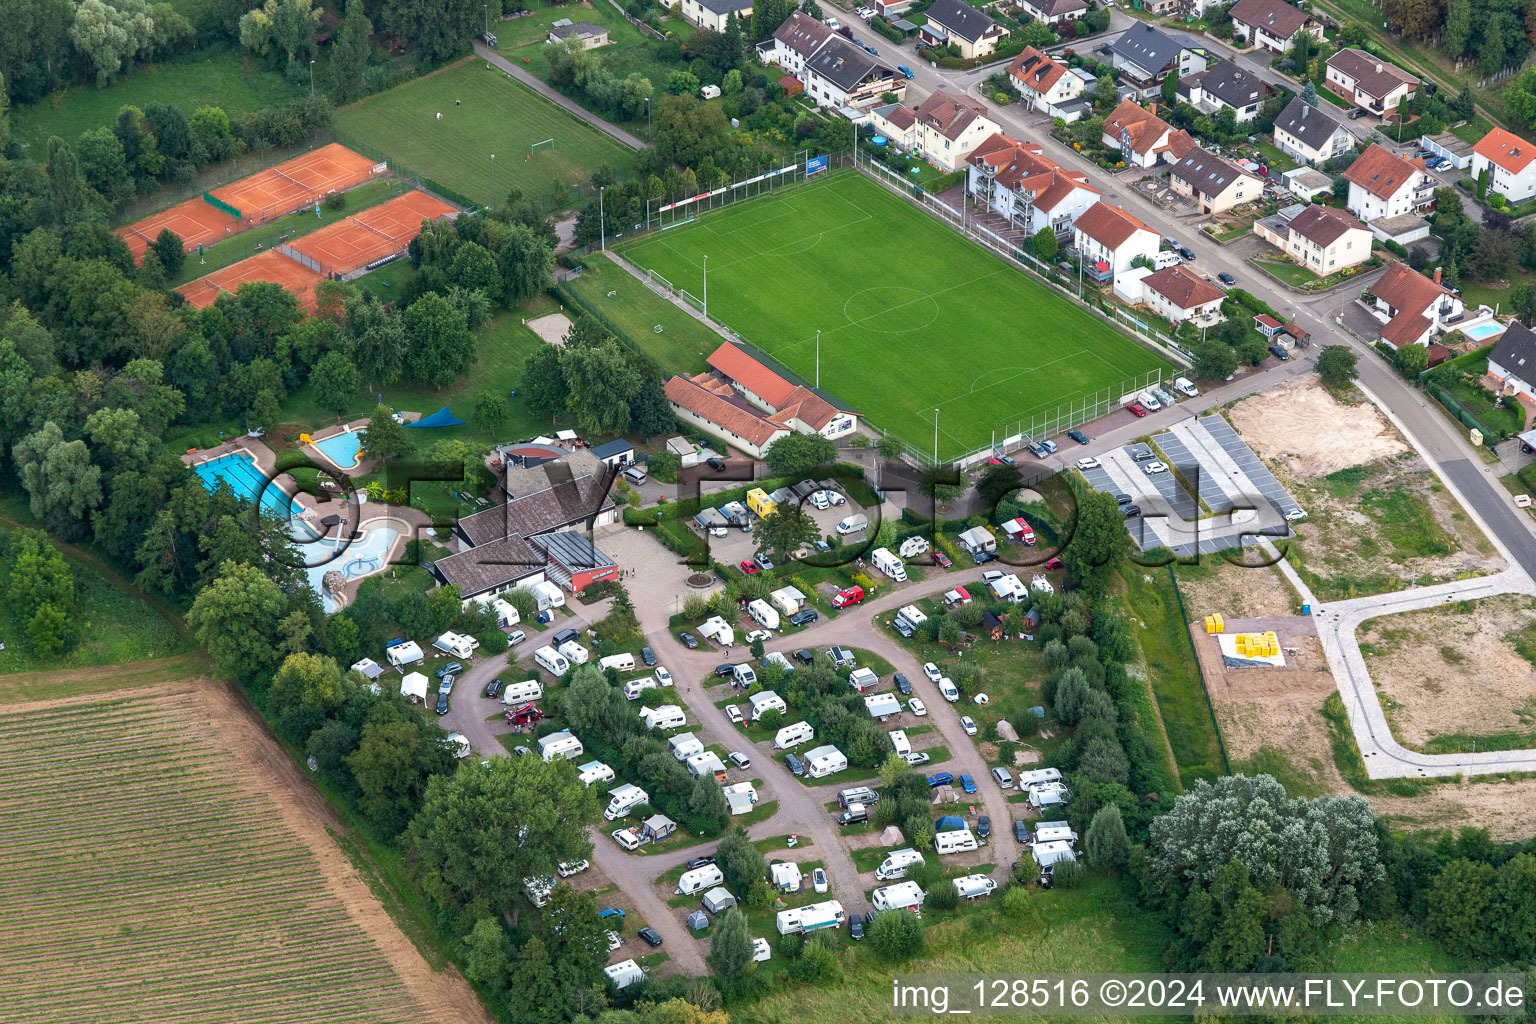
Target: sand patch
{"x": 552, "y": 327}
{"x": 1305, "y": 429}
{"x": 1235, "y": 591}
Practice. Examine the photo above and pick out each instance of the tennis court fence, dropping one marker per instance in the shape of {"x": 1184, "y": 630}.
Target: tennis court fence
{"x": 308, "y": 261}
{"x": 420, "y": 182}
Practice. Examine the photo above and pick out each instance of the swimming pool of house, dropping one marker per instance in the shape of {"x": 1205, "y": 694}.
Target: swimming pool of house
{"x": 342, "y": 448}
{"x": 238, "y": 472}
{"x": 367, "y": 554}
{"x": 1485, "y": 330}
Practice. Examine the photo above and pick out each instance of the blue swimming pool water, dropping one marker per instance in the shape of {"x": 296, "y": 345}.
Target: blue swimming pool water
{"x": 240, "y": 475}
{"x": 1484, "y": 331}
{"x": 361, "y": 557}
{"x": 342, "y": 448}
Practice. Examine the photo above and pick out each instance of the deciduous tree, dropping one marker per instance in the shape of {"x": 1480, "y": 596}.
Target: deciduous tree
{"x": 235, "y": 618}
{"x": 335, "y": 380}
{"x": 798, "y": 454}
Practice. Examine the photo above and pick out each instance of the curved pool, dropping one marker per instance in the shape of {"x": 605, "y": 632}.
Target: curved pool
{"x": 343, "y": 449}
{"x": 367, "y": 554}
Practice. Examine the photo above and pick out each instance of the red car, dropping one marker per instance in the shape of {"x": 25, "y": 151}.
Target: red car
{"x": 1137, "y": 410}
{"x": 1054, "y": 563}
{"x": 749, "y": 567}
{"x": 942, "y": 559}
{"x": 847, "y": 598}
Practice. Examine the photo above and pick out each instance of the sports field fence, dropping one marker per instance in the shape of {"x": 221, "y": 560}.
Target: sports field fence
{"x": 418, "y": 181}
{"x": 217, "y": 176}
{"x": 665, "y": 212}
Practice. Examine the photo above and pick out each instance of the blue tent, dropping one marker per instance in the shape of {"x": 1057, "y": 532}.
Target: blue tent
{"x": 444, "y": 417}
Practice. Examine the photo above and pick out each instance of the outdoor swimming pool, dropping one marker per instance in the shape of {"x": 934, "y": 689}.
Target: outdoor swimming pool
{"x": 1484, "y": 331}
{"x": 366, "y": 554}
{"x": 341, "y": 448}
{"x": 239, "y": 473}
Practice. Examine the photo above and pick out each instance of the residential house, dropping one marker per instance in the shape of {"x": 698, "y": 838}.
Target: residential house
{"x": 1179, "y": 294}
{"x": 589, "y": 35}
{"x": 1047, "y": 86}
{"x": 1272, "y": 24}
{"x": 1304, "y": 183}
{"x": 716, "y": 14}
{"x": 1510, "y": 162}
{"x": 973, "y": 33}
{"x": 1512, "y": 363}
{"x": 1412, "y": 307}
{"x": 1309, "y": 135}
{"x": 898, "y": 123}
{"x": 892, "y": 9}
{"x": 1161, "y": 7}
{"x": 1051, "y": 11}
{"x": 795, "y": 42}
{"x": 841, "y": 74}
{"x": 731, "y": 420}
{"x": 1017, "y": 180}
{"x": 1388, "y": 193}
{"x": 1145, "y": 56}
{"x": 1143, "y": 138}
{"x": 1108, "y": 239}
{"x": 949, "y": 127}
{"x": 1225, "y": 85}
{"x": 1369, "y": 82}
{"x": 1213, "y": 182}
{"x": 1325, "y": 240}
{"x": 1195, "y": 8}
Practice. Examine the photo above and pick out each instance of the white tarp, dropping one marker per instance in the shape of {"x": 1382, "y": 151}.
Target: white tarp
{"x": 414, "y": 684}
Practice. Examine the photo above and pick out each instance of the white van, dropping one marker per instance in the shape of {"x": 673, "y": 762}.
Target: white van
{"x": 635, "y": 475}
{"x": 948, "y": 689}
{"x": 698, "y": 880}
{"x": 793, "y": 735}
{"x": 896, "y": 865}
{"x": 635, "y": 687}
{"x": 1148, "y": 402}
{"x": 889, "y": 564}
{"x": 625, "y": 798}
{"x": 900, "y": 742}
{"x": 551, "y": 661}
{"x": 744, "y": 675}
{"x": 974, "y": 887}
{"x": 1167, "y": 259}
{"x": 897, "y": 897}
{"x": 594, "y": 772}
{"x": 618, "y": 662}
{"x": 954, "y": 842}
{"x": 518, "y": 693}
{"x": 853, "y": 524}
{"x": 575, "y": 653}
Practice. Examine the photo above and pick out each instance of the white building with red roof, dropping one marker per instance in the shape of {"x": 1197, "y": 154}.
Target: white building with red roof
{"x": 1108, "y": 239}
{"x": 1143, "y": 138}
{"x": 1510, "y": 162}
{"x": 1178, "y": 293}
{"x": 1412, "y": 307}
{"x": 943, "y": 129}
{"x": 1047, "y": 86}
{"x": 1015, "y": 179}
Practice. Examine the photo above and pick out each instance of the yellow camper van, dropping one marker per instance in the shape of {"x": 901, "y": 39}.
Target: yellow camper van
{"x": 759, "y": 502}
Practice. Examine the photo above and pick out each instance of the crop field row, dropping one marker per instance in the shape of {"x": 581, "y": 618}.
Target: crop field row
{"x": 151, "y": 877}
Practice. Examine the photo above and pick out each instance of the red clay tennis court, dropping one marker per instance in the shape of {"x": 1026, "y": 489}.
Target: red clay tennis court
{"x": 371, "y": 234}
{"x": 278, "y": 191}
{"x": 269, "y": 266}
{"x": 196, "y": 221}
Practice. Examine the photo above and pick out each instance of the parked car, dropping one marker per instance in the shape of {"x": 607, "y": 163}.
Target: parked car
{"x": 1052, "y": 563}
{"x": 1136, "y": 410}
{"x": 1088, "y": 463}
{"x": 1049, "y": 446}
{"x": 724, "y": 669}
{"x": 758, "y": 634}
{"x": 740, "y": 760}
{"x": 442, "y": 702}
{"x": 453, "y": 668}
{"x": 1226, "y": 278}
{"x": 793, "y": 763}
{"x": 1130, "y": 511}
{"x": 521, "y": 751}
{"x": 1186, "y": 252}
{"x": 1356, "y": 114}
{"x": 648, "y": 656}
{"x": 1122, "y": 498}
{"x": 689, "y": 640}
{"x": 493, "y": 688}
{"x": 1154, "y": 467}
{"x": 803, "y": 616}
{"x": 903, "y": 684}
{"x": 938, "y": 779}
{"x": 870, "y": 50}
{"x": 733, "y": 713}
{"x": 516, "y": 637}
{"x": 968, "y": 724}
{"x": 917, "y": 707}
{"x": 932, "y": 672}
{"x": 967, "y": 783}
{"x": 856, "y": 928}
{"x": 804, "y": 656}
{"x": 1003, "y": 460}
{"x": 1078, "y": 436}
{"x": 608, "y": 912}
{"x": 650, "y": 936}
{"x": 749, "y": 567}
{"x": 663, "y": 677}
{"x": 918, "y": 757}
{"x": 819, "y": 880}
{"x": 1279, "y": 353}
{"x": 942, "y": 559}
{"x": 1020, "y": 831}
{"x": 716, "y": 464}
{"x": 983, "y": 827}
{"x": 983, "y": 557}
{"x": 763, "y": 561}
{"x": 906, "y": 72}
{"x": 700, "y": 862}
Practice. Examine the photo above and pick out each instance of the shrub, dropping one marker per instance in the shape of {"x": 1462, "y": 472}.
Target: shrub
{"x": 336, "y": 201}
{"x": 942, "y": 897}
{"x": 1067, "y": 874}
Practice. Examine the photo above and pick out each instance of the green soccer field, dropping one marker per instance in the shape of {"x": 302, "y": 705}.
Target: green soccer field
{"x": 494, "y": 115}
{"x": 912, "y": 316}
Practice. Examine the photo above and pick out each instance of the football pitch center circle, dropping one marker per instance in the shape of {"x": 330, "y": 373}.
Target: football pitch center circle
{"x": 891, "y": 309}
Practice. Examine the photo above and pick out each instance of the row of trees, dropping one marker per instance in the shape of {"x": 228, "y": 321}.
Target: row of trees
{"x": 44, "y": 597}
{"x": 608, "y": 387}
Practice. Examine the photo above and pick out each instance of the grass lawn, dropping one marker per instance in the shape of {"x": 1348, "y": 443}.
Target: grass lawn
{"x": 498, "y": 116}
{"x": 259, "y": 239}
{"x": 216, "y": 76}
{"x": 1281, "y": 270}
{"x": 810, "y": 259}
{"x": 1479, "y": 401}
{"x": 1277, "y": 161}
{"x": 683, "y": 342}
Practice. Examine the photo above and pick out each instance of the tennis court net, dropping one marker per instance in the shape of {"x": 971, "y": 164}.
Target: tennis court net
{"x": 382, "y": 234}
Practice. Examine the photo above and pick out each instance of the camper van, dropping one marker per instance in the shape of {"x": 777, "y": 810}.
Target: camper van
{"x": 896, "y": 865}
{"x": 1054, "y": 832}
{"x": 538, "y": 889}
{"x": 763, "y": 613}
{"x": 668, "y": 716}
{"x": 575, "y": 653}
{"x": 897, "y": 897}
{"x": 594, "y": 772}
{"x": 793, "y": 735}
{"x": 743, "y": 675}
{"x": 958, "y": 841}
{"x": 551, "y": 661}
{"x": 882, "y": 559}
{"x": 825, "y": 760}
{"x": 764, "y": 702}
{"x": 855, "y": 814}
{"x": 1046, "y": 854}
{"x": 402, "y": 652}
{"x": 853, "y": 524}
{"x": 559, "y": 744}
{"x": 698, "y": 880}
{"x": 684, "y": 745}
{"x": 456, "y": 645}
{"x": 625, "y": 798}
{"x": 1039, "y": 775}
{"x": 624, "y": 973}
{"x": 974, "y": 887}
{"x": 912, "y": 547}
{"x": 900, "y": 742}
{"x": 618, "y": 662}
{"x": 635, "y": 687}
{"x": 518, "y": 693}
{"x": 759, "y": 502}
{"x": 812, "y": 917}
{"x": 857, "y": 795}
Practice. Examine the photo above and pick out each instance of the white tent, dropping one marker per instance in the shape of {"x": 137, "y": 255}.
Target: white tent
{"x": 741, "y": 797}
{"x": 414, "y": 685}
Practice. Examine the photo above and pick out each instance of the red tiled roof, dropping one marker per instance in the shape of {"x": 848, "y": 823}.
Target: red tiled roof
{"x": 1279, "y": 19}
{"x": 751, "y": 374}
{"x": 1380, "y": 172}
{"x": 1145, "y": 128}
{"x": 701, "y": 401}
{"x": 1411, "y": 294}
{"x": 808, "y": 407}
{"x": 1180, "y": 143}
{"x": 948, "y": 114}
{"x": 1108, "y": 225}
{"x": 1182, "y": 287}
{"x": 1373, "y": 76}
{"x": 1323, "y": 224}
{"x": 902, "y": 117}
{"x": 1023, "y": 166}
{"x": 1042, "y": 74}
{"x": 1405, "y": 328}
{"x": 1506, "y": 149}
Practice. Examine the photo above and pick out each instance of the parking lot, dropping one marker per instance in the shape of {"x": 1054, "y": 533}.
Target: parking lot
{"x": 1239, "y": 499}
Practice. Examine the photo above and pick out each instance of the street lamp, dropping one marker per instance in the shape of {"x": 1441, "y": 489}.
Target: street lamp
{"x": 818, "y": 357}
{"x": 647, "y": 120}
{"x": 311, "y": 77}
{"x": 493, "y": 180}
{"x": 602, "y": 232}
{"x": 706, "y": 287}
{"x": 487, "y": 22}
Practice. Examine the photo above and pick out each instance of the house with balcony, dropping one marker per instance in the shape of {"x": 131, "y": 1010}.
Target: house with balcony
{"x": 1047, "y": 86}
{"x": 1015, "y": 179}
{"x": 1512, "y": 363}
{"x": 1212, "y": 182}
{"x": 715, "y": 15}
{"x": 1369, "y": 82}
{"x": 1322, "y": 239}
{"x": 1389, "y": 193}
{"x": 841, "y": 74}
{"x": 1180, "y": 294}
{"x": 971, "y": 31}
{"x": 1145, "y": 56}
{"x": 1510, "y": 162}
{"x": 795, "y": 42}
{"x": 949, "y": 126}
{"x": 1310, "y": 135}
{"x": 1272, "y": 25}
{"x": 1412, "y": 308}
{"x": 1108, "y": 240}
{"x": 1143, "y": 138}
{"x": 1225, "y": 85}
